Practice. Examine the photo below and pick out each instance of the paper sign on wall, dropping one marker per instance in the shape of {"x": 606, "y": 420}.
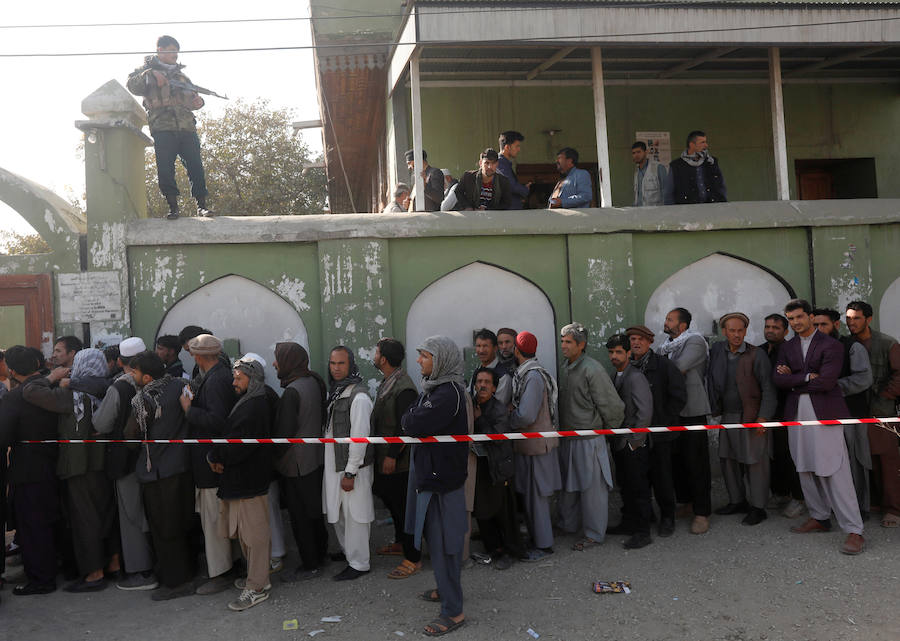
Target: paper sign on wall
{"x": 659, "y": 146}
{"x": 90, "y": 296}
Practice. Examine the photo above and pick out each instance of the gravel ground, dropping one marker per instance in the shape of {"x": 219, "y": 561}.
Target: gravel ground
{"x": 735, "y": 583}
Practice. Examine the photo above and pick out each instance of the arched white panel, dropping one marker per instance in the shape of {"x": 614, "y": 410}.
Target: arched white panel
{"x": 457, "y": 305}
{"x": 237, "y": 307}
{"x": 889, "y": 311}
{"x": 716, "y": 285}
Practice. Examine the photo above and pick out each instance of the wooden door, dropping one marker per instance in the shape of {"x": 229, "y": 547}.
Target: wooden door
{"x": 816, "y": 184}
{"x": 26, "y": 311}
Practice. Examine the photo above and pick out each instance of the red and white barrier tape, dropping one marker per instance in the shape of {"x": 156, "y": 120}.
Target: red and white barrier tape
{"x": 462, "y": 438}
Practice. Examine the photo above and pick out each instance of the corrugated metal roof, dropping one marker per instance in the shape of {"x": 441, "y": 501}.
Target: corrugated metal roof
{"x": 672, "y": 3}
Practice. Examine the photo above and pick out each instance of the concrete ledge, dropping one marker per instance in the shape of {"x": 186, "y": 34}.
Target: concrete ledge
{"x": 534, "y": 222}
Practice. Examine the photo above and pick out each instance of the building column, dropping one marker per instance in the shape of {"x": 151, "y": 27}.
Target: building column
{"x": 600, "y": 124}
{"x": 416, "y": 91}
{"x": 778, "y": 136}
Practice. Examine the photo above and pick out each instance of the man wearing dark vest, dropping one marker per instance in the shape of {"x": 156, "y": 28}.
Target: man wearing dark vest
{"x": 347, "y": 486}
{"x": 695, "y": 177}
{"x": 301, "y": 414}
{"x": 669, "y": 396}
{"x": 855, "y": 382}
{"x": 110, "y": 420}
{"x": 741, "y": 391}
{"x": 396, "y": 393}
{"x": 884, "y": 356}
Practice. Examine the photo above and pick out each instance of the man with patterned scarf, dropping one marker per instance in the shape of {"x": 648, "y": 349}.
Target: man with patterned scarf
{"x": 89, "y": 493}
{"x": 347, "y": 488}
{"x": 695, "y": 177}
{"x": 538, "y": 473}
{"x": 164, "y": 472}
{"x": 246, "y": 471}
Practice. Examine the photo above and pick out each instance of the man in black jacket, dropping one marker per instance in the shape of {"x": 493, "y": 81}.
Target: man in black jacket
{"x": 695, "y": 177}
{"x": 434, "y": 182}
{"x": 207, "y": 412}
{"x": 437, "y": 507}
{"x": 33, "y": 486}
{"x": 495, "y": 498}
{"x": 245, "y": 472}
{"x": 669, "y": 396}
{"x": 483, "y": 188}
{"x": 164, "y": 472}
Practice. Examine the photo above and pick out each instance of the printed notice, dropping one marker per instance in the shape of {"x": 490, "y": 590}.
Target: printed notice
{"x": 659, "y": 146}
{"x": 90, "y": 296}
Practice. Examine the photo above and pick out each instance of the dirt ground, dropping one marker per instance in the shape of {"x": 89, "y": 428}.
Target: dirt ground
{"x": 736, "y": 583}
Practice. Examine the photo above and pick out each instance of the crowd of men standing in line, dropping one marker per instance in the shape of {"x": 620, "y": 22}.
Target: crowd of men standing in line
{"x": 144, "y": 515}
{"x": 694, "y": 177}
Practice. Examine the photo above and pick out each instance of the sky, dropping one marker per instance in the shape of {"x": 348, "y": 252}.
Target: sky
{"x": 42, "y": 96}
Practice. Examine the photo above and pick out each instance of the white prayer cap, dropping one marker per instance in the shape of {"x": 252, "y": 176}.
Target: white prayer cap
{"x": 132, "y": 347}
{"x": 251, "y": 356}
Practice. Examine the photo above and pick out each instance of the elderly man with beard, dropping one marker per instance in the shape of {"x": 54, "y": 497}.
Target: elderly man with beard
{"x": 855, "y": 382}
{"x": 587, "y": 400}
{"x": 164, "y": 472}
{"x": 89, "y": 493}
{"x": 245, "y": 472}
{"x": 688, "y": 350}
{"x": 538, "y": 476}
{"x": 301, "y": 414}
{"x": 436, "y": 503}
{"x": 347, "y": 488}
{"x": 669, "y": 396}
{"x": 506, "y": 349}
{"x": 741, "y": 391}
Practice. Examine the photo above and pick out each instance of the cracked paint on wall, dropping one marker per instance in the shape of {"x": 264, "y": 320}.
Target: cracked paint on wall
{"x": 294, "y": 290}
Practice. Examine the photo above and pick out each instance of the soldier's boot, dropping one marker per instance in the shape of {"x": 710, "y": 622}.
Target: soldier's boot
{"x": 173, "y": 207}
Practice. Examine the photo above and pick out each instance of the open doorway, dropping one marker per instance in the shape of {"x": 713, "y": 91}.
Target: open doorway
{"x": 836, "y": 178}
{"x": 543, "y": 178}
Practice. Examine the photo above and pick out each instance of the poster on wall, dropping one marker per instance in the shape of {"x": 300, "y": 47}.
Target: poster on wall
{"x": 658, "y": 144}
{"x": 90, "y": 296}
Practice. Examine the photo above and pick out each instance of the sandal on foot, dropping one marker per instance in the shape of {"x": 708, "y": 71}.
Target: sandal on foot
{"x": 583, "y": 544}
{"x": 441, "y": 626}
{"x": 431, "y": 595}
{"x": 405, "y": 570}
{"x": 890, "y": 520}
{"x": 394, "y": 549}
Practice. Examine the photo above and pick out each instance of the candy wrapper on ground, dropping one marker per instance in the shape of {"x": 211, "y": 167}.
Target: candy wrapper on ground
{"x": 610, "y": 587}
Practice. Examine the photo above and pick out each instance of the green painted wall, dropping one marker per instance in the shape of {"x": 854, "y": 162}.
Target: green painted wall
{"x": 822, "y": 121}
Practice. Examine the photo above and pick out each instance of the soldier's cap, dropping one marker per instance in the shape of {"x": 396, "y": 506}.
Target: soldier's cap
{"x": 640, "y": 330}
{"x": 731, "y": 315}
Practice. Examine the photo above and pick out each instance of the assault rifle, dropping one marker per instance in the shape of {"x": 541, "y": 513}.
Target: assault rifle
{"x": 154, "y": 63}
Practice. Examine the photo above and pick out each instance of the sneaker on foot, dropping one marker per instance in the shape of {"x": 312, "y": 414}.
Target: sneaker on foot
{"x": 794, "y": 509}
{"x": 248, "y": 599}
{"x": 276, "y": 564}
{"x": 167, "y": 594}
{"x": 214, "y": 586}
{"x": 138, "y": 581}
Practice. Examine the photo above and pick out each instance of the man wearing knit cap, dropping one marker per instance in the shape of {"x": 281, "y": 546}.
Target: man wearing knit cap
{"x": 587, "y": 400}
{"x": 537, "y": 464}
{"x": 669, "y": 395}
{"x": 206, "y": 406}
{"x": 741, "y": 391}
{"x": 110, "y": 420}
{"x": 245, "y": 471}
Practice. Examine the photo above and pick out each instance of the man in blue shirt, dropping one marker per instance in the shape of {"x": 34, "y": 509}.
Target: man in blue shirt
{"x": 510, "y": 146}
{"x": 574, "y": 188}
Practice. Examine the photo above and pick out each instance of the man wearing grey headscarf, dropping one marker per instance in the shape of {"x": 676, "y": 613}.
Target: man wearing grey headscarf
{"x": 437, "y": 507}
{"x": 587, "y": 400}
{"x": 245, "y": 471}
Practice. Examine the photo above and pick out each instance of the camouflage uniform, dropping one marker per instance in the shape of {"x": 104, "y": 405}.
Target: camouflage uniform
{"x": 173, "y": 127}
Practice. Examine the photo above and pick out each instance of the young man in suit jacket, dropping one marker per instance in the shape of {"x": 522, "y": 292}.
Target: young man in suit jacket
{"x": 809, "y": 366}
